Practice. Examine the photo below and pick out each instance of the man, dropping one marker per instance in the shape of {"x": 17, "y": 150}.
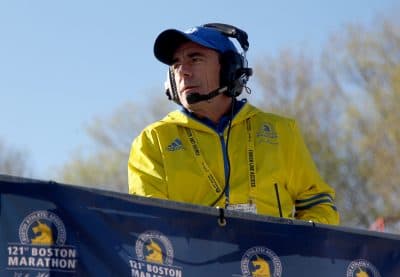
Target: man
{"x": 220, "y": 151}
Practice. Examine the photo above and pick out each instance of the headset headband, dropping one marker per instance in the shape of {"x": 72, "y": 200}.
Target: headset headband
{"x": 231, "y": 31}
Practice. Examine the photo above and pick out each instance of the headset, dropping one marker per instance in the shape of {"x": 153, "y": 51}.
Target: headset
{"x": 234, "y": 73}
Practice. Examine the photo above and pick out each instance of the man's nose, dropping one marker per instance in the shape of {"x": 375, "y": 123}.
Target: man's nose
{"x": 185, "y": 70}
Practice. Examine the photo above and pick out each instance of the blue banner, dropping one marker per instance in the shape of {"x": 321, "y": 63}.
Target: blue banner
{"x": 52, "y": 229}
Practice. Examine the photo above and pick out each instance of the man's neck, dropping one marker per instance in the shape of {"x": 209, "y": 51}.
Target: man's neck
{"x": 214, "y": 109}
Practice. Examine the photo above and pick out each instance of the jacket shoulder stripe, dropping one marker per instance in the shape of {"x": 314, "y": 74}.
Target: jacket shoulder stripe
{"x": 315, "y": 197}
{"x": 315, "y": 204}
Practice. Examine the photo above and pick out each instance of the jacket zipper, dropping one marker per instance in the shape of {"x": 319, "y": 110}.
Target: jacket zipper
{"x": 226, "y": 167}
{"x": 225, "y": 158}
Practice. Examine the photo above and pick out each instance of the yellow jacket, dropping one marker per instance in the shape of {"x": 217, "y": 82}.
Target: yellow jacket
{"x": 182, "y": 159}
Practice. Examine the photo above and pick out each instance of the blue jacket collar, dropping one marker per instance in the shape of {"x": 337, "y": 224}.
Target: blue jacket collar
{"x": 223, "y": 123}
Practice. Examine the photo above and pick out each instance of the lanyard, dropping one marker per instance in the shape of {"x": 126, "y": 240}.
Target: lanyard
{"x": 213, "y": 182}
{"x": 251, "y": 156}
{"x": 215, "y": 186}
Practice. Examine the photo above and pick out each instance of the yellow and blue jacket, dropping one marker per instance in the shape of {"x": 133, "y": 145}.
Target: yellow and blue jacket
{"x": 184, "y": 159}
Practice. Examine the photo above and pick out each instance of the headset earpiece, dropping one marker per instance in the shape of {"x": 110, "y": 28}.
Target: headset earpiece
{"x": 232, "y": 68}
{"x": 167, "y": 87}
{"x": 170, "y": 87}
{"x": 234, "y": 71}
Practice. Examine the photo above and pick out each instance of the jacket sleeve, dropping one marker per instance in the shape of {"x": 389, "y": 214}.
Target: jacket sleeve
{"x": 314, "y": 199}
{"x": 146, "y": 175}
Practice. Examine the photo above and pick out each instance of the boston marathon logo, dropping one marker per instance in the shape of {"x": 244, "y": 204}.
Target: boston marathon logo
{"x": 42, "y": 246}
{"x": 260, "y": 261}
{"x": 155, "y": 256}
{"x": 362, "y": 268}
{"x": 267, "y": 133}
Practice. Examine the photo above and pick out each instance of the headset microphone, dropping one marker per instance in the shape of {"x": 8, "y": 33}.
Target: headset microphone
{"x": 197, "y": 97}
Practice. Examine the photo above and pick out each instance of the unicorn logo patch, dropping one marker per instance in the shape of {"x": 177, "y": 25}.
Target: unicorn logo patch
{"x": 260, "y": 261}
{"x": 362, "y": 268}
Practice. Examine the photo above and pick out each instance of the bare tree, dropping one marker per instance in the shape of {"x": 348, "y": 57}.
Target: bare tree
{"x": 347, "y": 103}
{"x": 368, "y": 67}
{"x": 106, "y": 165}
{"x": 13, "y": 162}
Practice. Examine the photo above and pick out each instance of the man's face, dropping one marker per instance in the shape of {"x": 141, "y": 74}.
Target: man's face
{"x": 196, "y": 69}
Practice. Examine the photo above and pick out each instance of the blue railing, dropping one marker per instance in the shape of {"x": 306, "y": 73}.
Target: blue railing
{"x": 52, "y": 229}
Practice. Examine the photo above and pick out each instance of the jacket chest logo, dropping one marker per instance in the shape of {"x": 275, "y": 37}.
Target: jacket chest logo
{"x": 266, "y": 133}
{"x": 175, "y": 145}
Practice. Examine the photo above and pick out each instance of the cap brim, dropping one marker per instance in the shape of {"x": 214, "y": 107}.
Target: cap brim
{"x": 167, "y": 43}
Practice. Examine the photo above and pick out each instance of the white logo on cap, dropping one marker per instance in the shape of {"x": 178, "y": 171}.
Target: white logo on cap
{"x": 191, "y": 30}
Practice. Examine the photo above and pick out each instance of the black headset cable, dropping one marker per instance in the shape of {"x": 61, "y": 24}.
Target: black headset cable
{"x": 227, "y": 179}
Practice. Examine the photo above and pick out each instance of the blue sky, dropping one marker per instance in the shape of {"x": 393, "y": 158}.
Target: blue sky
{"x": 63, "y": 63}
